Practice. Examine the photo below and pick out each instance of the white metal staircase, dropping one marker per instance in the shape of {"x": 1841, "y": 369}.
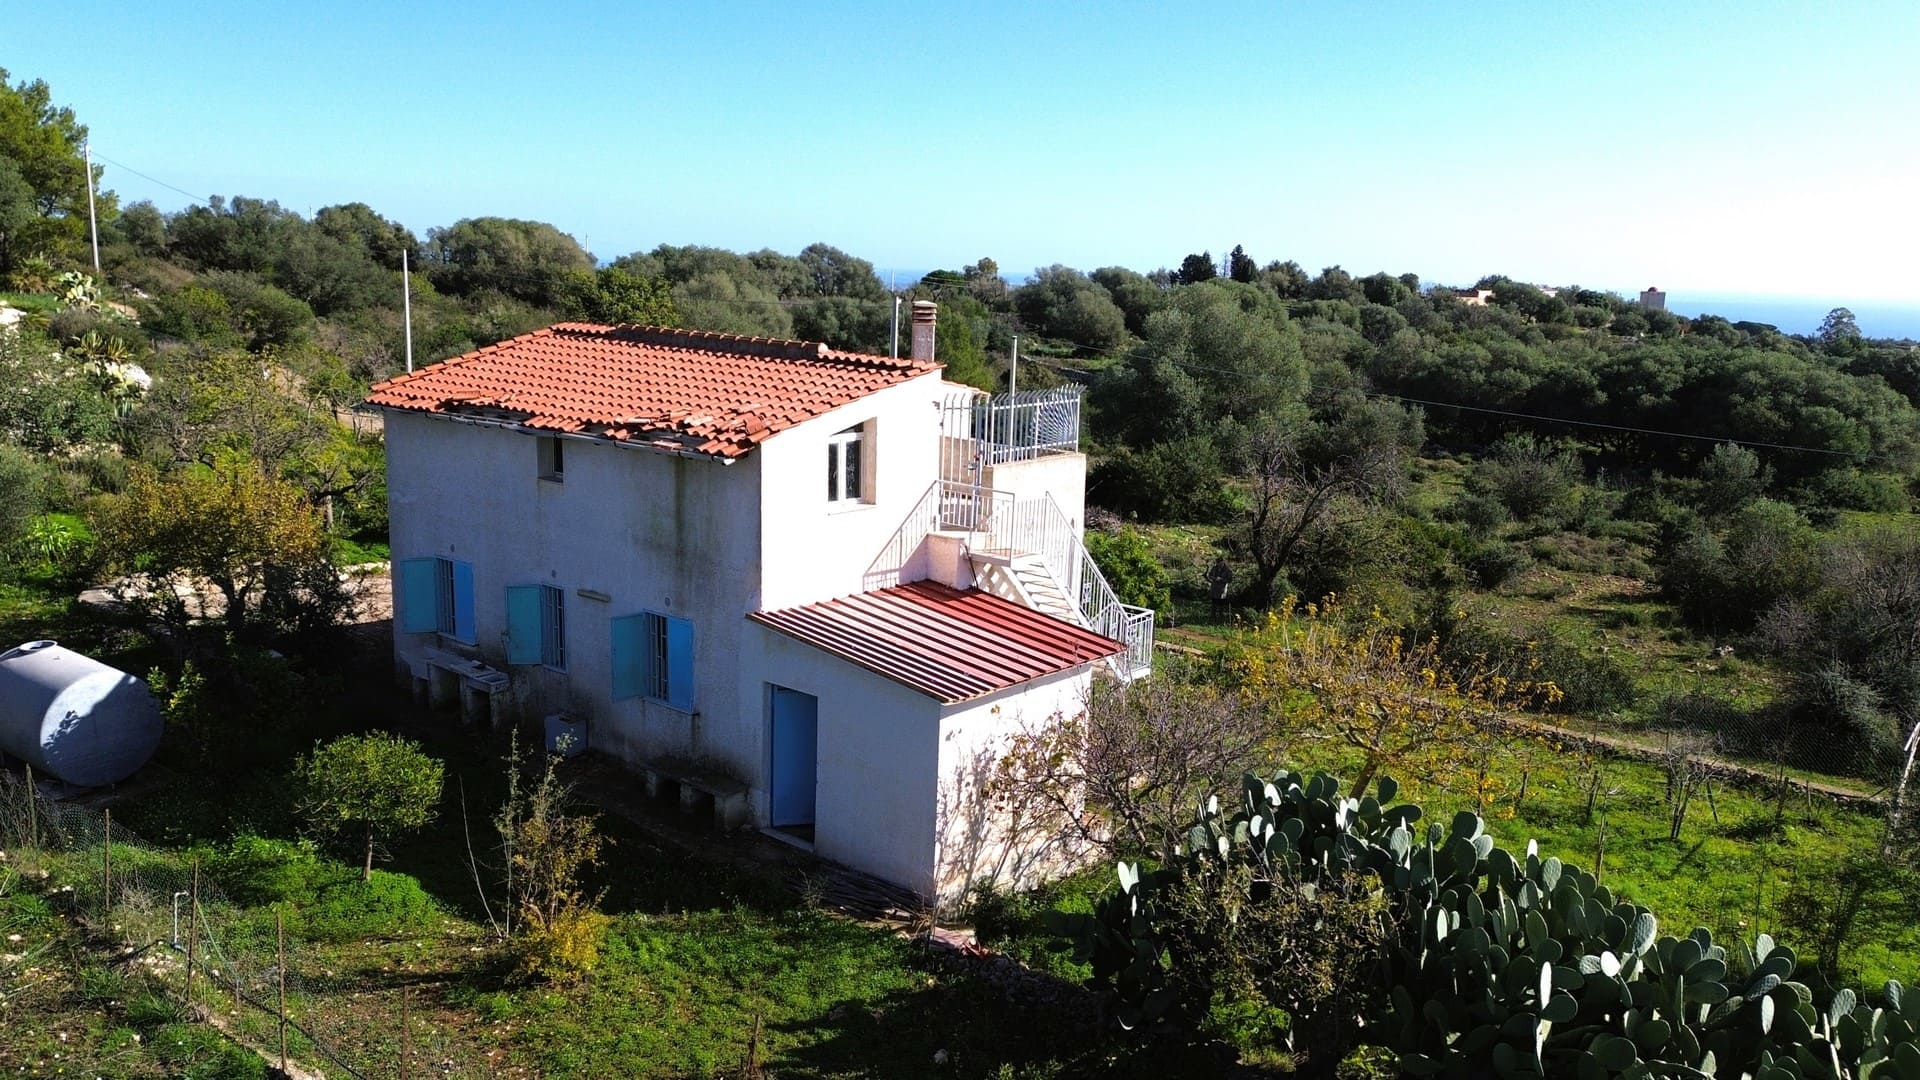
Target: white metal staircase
{"x": 1025, "y": 551}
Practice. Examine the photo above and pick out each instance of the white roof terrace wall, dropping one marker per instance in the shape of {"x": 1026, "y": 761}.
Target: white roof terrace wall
{"x": 813, "y": 549}
{"x": 647, "y": 530}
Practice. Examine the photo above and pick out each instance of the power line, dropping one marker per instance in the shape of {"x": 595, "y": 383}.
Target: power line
{"x": 155, "y": 180}
{"x": 1382, "y": 395}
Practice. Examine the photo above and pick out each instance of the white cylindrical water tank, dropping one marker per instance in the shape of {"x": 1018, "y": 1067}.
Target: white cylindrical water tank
{"x": 74, "y": 718}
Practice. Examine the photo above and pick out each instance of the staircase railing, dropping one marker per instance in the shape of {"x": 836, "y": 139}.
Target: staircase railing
{"x": 1001, "y": 523}
{"x": 947, "y": 506}
{"x": 1039, "y": 526}
{"x": 884, "y": 571}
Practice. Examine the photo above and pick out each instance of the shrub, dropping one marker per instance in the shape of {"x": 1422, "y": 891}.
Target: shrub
{"x": 1851, "y": 489}
{"x": 21, "y": 480}
{"x": 387, "y": 905}
{"x": 1126, "y": 559}
{"x": 259, "y": 870}
{"x": 565, "y": 949}
{"x": 1493, "y": 565}
{"x": 1731, "y": 477}
{"x": 997, "y": 912}
{"x": 1175, "y": 481}
{"x": 1532, "y": 477}
{"x": 1481, "y": 514}
{"x": 1587, "y": 682}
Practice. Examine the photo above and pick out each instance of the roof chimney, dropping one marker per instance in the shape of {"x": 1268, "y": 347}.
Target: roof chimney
{"x": 924, "y": 314}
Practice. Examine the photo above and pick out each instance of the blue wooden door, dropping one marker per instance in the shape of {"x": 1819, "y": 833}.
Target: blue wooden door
{"x": 796, "y": 744}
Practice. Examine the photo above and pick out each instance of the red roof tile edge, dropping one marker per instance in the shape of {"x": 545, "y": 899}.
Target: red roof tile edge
{"x": 950, "y": 645}
{"x": 726, "y": 431}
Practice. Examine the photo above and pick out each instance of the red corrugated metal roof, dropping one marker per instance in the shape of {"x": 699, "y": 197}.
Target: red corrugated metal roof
{"x": 681, "y": 390}
{"x": 947, "y": 644}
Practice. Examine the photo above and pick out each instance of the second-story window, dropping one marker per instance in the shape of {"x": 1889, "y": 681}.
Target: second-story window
{"x": 845, "y": 474}
{"x": 553, "y": 459}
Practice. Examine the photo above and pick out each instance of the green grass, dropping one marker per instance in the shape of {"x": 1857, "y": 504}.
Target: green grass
{"x": 1728, "y": 871}
{"x": 38, "y": 303}
{"x": 352, "y": 551}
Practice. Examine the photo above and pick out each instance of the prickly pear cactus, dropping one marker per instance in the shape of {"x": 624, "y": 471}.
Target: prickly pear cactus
{"x": 1506, "y": 965}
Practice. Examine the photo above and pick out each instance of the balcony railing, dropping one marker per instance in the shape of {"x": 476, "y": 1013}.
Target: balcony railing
{"x": 983, "y": 430}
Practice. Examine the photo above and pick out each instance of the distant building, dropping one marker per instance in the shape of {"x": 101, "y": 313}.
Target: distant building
{"x": 1653, "y": 299}
{"x": 1483, "y": 297}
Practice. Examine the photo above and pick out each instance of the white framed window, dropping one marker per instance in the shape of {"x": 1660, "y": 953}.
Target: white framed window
{"x": 553, "y": 458}
{"x": 847, "y": 466}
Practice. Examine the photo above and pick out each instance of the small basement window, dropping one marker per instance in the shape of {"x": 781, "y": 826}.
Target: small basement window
{"x": 846, "y": 465}
{"x": 553, "y": 458}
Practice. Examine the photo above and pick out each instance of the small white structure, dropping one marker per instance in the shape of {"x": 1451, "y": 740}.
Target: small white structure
{"x": 73, "y": 718}
{"x": 632, "y": 525}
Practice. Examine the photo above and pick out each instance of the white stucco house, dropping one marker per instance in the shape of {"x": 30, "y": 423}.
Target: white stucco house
{"x": 816, "y": 588}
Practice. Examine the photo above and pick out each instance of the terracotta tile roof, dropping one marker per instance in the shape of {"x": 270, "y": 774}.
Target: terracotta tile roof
{"x": 947, "y": 644}
{"x": 689, "y": 391}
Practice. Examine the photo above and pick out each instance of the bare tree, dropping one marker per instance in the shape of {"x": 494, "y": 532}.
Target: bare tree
{"x": 1309, "y": 477}
{"x": 1127, "y": 774}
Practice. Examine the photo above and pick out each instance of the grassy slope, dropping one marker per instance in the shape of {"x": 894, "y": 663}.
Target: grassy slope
{"x": 1728, "y": 876}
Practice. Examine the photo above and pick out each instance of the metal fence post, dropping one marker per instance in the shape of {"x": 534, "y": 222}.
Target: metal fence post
{"x": 280, "y": 932}
{"x": 106, "y": 870}
{"x": 193, "y": 929}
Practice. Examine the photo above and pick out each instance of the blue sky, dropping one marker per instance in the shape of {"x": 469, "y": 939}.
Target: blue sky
{"x": 1736, "y": 148}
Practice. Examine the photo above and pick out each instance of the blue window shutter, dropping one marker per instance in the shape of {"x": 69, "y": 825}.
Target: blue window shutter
{"x": 523, "y": 624}
{"x": 680, "y": 664}
{"x": 628, "y": 634}
{"x": 463, "y": 627}
{"x": 419, "y": 595}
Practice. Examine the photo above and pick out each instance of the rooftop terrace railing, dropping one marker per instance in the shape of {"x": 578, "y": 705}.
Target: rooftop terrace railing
{"x": 984, "y": 430}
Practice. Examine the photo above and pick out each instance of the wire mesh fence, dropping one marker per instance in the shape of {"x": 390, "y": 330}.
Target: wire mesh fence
{"x": 249, "y": 970}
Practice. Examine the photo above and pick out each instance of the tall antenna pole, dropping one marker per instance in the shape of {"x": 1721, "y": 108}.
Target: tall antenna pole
{"x": 406, "y": 305}
{"x": 894, "y": 330}
{"x": 93, "y": 222}
{"x": 1013, "y": 368}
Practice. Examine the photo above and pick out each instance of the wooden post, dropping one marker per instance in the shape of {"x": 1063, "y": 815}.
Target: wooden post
{"x": 106, "y": 871}
{"x": 1600, "y": 854}
{"x": 193, "y": 929}
{"x": 33, "y": 819}
{"x": 280, "y": 931}
{"x": 406, "y": 1041}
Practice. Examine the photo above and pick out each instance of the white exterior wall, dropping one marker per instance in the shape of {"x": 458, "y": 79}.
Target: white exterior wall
{"x": 1063, "y": 476}
{"x": 652, "y": 531}
{"x": 976, "y": 839}
{"x": 812, "y": 550}
{"x": 878, "y": 757}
